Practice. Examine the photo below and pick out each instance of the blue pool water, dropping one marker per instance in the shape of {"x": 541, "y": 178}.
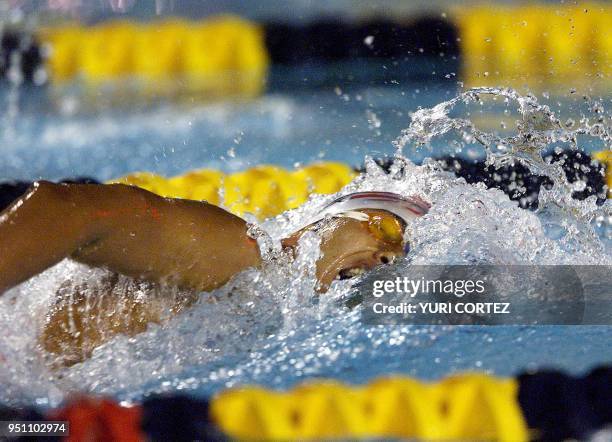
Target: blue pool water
{"x": 287, "y": 130}
{"x": 328, "y": 123}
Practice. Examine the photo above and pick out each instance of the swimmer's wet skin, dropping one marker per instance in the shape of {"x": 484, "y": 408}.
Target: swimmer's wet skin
{"x": 127, "y": 229}
{"x": 192, "y": 245}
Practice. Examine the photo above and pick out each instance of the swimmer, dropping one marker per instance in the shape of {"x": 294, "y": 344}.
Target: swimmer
{"x": 191, "y": 245}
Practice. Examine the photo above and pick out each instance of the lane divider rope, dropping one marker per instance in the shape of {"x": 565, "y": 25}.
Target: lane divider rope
{"x": 542, "y": 405}
{"x": 541, "y": 46}
{"x": 264, "y": 191}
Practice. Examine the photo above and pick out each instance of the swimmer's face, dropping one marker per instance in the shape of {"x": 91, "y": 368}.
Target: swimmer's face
{"x": 350, "y": 246}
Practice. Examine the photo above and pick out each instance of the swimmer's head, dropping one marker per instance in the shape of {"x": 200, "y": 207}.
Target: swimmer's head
{"x": 361, "y": 231}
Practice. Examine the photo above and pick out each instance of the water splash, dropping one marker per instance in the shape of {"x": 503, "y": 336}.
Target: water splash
{"x": 269, "y": 326}
{"x": 537, "y": 130}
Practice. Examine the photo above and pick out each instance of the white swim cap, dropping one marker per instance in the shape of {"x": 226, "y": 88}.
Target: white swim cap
{"x": 405, "y": 208}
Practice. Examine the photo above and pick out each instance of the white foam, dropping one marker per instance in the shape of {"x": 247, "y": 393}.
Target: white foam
{"x": 270, "y": 325}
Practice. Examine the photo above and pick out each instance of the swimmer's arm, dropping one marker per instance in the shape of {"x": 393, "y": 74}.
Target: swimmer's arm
{"x": 37, "y": 231}
{"x": 127, "y": 229}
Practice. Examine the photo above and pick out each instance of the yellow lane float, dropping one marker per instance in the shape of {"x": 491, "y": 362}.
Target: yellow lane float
{"x": 264, "y": 191}
{"x": 461, "y": 407}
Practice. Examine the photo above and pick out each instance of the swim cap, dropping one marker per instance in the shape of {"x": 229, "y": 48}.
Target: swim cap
{"x": 349, "y": 206}
{"x": 405, "y": 208}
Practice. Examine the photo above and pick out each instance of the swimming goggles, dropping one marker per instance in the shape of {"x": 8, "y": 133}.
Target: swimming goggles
{"x": 386, "y": 214}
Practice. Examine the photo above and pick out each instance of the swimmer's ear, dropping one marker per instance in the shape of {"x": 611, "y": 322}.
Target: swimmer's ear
{"x": 292, "y": 241}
